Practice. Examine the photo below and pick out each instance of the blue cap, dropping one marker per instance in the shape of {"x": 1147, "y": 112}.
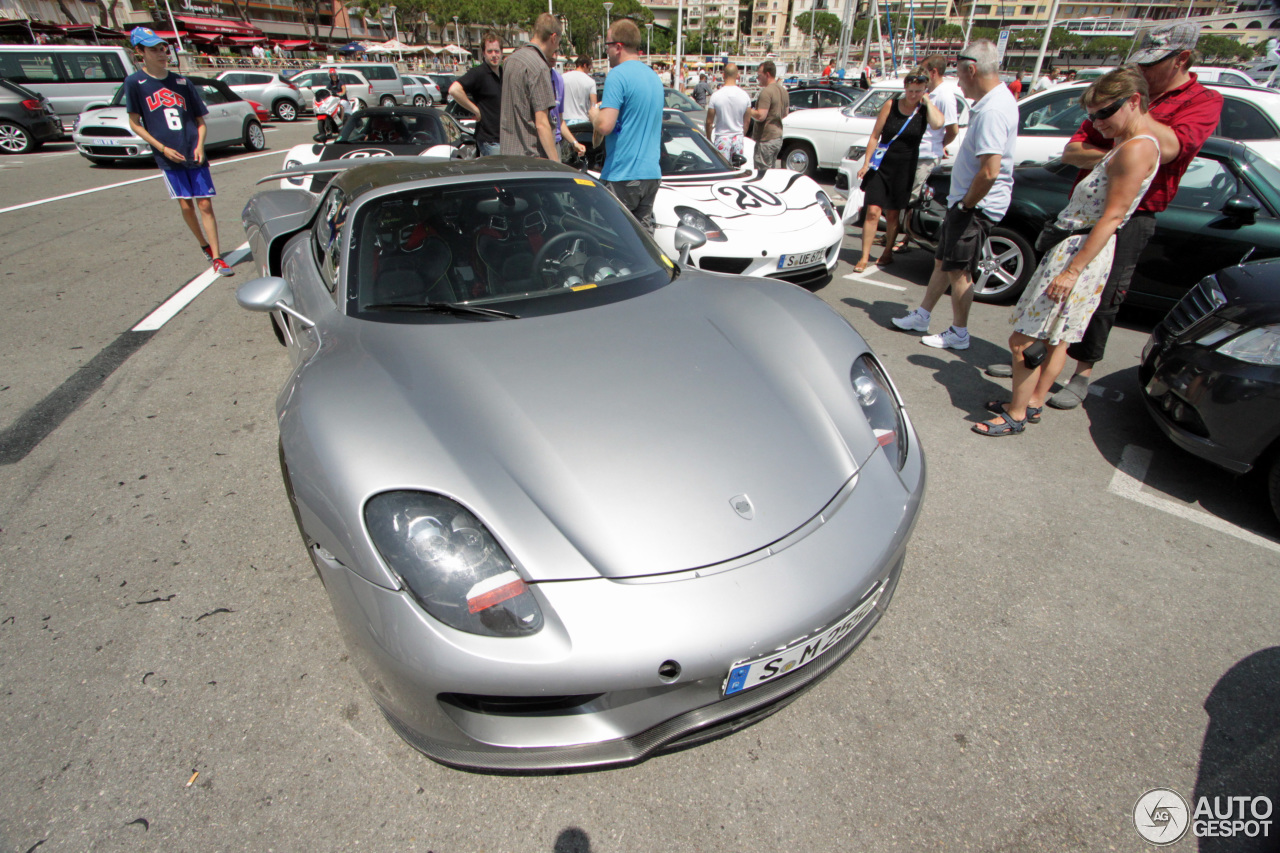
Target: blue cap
{"x": 145, "y": 36}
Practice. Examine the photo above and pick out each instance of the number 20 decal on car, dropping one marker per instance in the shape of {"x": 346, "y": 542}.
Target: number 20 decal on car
{"x": 750, "y": 198}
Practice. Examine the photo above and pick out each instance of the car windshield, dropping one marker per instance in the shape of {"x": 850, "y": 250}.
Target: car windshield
{"x": 1266, "y": 170}
{"x": 393, "y": 127}
{"x": 685, "y": 151}
{"x": 484, "y": 242}
{"x": 869, "y": 106}
{"x": 680, "y": 101}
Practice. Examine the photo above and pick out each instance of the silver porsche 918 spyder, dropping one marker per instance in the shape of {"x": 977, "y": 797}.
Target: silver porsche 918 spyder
{"x": 574, "y": 502}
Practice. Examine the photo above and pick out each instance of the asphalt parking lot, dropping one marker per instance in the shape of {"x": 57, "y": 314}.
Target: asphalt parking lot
{"x": 1086, "y": 613}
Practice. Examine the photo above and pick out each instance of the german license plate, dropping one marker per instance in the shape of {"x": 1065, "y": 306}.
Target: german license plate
{"x": 803, "y": 259}
{"x": 110, "y": 142}
{"x": 753, "y": 673}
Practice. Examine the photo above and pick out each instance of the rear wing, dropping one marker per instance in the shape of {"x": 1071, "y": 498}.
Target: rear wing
{"x": 332, "y": 167}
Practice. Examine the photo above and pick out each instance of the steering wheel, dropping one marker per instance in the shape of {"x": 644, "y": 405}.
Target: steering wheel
{"x": 544, "y": 254}
{"x": 686, "y": 161}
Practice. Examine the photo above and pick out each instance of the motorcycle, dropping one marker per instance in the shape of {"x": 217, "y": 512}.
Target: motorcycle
{"x": 330, "y": 113}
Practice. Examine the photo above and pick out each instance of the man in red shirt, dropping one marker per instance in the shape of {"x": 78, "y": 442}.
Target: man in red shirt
{"x": 1189, "y": 113}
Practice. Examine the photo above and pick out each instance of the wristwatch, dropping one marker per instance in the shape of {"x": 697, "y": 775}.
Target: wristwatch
{"x": 964, "y": 209}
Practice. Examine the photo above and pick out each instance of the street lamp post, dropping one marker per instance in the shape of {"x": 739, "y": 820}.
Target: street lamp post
{"x": 648, "y": 39}
{"x": 607, "y": 7}
{"x": 457, "y": 33}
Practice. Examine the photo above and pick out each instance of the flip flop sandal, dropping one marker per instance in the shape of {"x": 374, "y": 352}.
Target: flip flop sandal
{"x": 885, "y": 260}
{"x": 1007, "y": 426}
{"x": 996, "y": 407}
{"x": 860, "y": 266}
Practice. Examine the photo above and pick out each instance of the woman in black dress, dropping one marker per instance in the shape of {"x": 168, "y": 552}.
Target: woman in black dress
{"x": 901, "y": 124}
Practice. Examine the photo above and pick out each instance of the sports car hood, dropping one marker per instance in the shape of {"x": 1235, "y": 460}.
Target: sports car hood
{"x": 629, "y": 430}
{"x": 728, "y": 197}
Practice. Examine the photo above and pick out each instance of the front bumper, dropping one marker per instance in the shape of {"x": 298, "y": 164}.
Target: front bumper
{"x": 760, "y": 254}
{"x": 112, "y": 147}
{"x": 586, "y": 691}
{"x": 1223, "y": 410}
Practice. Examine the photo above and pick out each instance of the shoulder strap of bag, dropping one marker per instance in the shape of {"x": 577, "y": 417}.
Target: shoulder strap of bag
{"x": 904, "y": 124}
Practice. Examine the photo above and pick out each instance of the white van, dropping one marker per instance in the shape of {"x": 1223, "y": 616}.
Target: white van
{"x": 73, "y": 77}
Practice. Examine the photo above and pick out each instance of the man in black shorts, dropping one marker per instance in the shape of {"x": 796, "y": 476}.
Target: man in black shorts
{"x": 981, "y": 189}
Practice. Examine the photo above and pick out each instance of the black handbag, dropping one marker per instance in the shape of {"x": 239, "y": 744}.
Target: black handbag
{"x": 1051, "y": 235}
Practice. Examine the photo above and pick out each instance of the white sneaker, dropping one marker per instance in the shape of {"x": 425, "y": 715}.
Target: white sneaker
{"x": 947, "y": 340}
{"x": 913, "y": 322}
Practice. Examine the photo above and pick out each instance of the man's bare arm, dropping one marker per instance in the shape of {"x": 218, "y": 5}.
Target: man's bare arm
{"x": 458, "y": 94}
{"x": 1083, "y": 155}
{"x": 988, "y": 171}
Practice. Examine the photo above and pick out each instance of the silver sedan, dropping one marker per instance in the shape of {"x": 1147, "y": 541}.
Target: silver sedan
{"x": 573, "y": 501}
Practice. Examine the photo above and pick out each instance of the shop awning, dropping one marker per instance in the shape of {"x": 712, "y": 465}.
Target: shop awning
{"x": 22, "y": 27}
{"x": 91, "y": 31}
{"x": 297, "y": 44}
{"x": 222, "y": 26}
{"x": 248, "y": 39}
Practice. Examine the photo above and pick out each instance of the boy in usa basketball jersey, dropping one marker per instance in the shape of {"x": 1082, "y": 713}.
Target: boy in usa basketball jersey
{"x": 167, "y": 111}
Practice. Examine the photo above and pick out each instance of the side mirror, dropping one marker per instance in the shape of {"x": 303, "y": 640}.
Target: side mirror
{"x": 1241, "y": 207}
{"x": 271, "y": 293}
{"x": 688, "y": 238}
{"x": 738, "y": 160}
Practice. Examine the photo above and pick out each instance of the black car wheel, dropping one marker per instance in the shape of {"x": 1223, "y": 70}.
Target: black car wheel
{"x": 799, "y": 157}
{"x": 285, "y": 110}
{"x": 14, "y": 139}
{"x": 254, "y": 138}
{"x": 1005, "y": 267}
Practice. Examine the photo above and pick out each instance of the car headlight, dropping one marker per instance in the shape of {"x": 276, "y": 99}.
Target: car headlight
{"x": 827, "y": 207}
{"x": 1256, "y": 346}
{"x": 856, "y": 152}
{"x": 705, "y": 224}
{"x": 451, "y": 564}
{"x": 289, "y": 164}
{"x": 880, "y": 405}
{"x": 75, "y": 125}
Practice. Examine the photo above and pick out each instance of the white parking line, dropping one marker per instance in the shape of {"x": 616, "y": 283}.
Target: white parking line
{"x": 127, "y": 183}
{"x": 1127, "y": 483}
{"x": 171, "y": 306}
{"x": 864, "y": 278}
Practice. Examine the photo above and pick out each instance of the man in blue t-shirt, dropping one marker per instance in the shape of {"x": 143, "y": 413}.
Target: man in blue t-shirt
{"x": 167, "y": 111}
{"x": 629, "y": 119}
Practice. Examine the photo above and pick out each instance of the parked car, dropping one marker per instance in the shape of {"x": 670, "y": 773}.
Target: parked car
{"x": 443, "y": 82}
{"x": 27, "y": 119}
{"x": 677, "y": 100}
{"x": 1047, "y": 120}
{"x": 383, "y": 132}
{"x": 384, "y": 77}
{"x": 1227, "y": 206}
{"x": 104, "y": 136}
{"x": 74, "y": 77}
{"x": 818, "y": 97}
{"x": 775, "y": 225}
{"x": 359, "y": 89}
{"x": 820, "y": 138}
{"x": 1227, "y": 76}
{"x": 1210, "y": 373}
{"x": 425, "y": 87}
{"x": 553, "y": 480}
{"x": 267, "y": 88}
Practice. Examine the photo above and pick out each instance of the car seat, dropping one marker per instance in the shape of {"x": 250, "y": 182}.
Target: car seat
{"x": 507, "y": 241}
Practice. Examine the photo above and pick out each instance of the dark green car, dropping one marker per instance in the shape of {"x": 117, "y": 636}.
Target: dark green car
{"x": 1227, "y": 208}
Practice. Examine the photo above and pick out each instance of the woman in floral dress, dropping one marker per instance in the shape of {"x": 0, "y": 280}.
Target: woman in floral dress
{"x": 1064, "y": 291}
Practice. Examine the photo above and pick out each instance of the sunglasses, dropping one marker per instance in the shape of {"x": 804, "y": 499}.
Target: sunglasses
{"x": 915, "y": 78}
{"x": 1107, "y": 111}
{"x": 963, "y": 58}
{"x": 614, "y": 43}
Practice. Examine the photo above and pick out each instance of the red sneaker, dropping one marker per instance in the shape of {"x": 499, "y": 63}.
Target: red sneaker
{"x": 208, "y": 252}
{"x": 221, "y": 268}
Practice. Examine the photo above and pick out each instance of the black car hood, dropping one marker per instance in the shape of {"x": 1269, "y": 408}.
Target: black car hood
{"x": 1253, "y": 293}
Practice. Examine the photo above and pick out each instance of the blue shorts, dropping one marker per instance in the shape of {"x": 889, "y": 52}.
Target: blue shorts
{"x": 190, "y": 183}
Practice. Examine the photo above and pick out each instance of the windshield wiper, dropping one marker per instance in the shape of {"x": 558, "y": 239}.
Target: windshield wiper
{"x": 443, "y": 308}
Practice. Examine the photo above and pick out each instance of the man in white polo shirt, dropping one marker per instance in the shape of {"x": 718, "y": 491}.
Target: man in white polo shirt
{"x": 981, "y": 190}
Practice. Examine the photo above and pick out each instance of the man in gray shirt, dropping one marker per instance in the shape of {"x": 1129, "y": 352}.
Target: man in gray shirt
{"x": 981, "y": 190}
{"x": 702, "y": 90}
{"x": 528, "y": 96}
